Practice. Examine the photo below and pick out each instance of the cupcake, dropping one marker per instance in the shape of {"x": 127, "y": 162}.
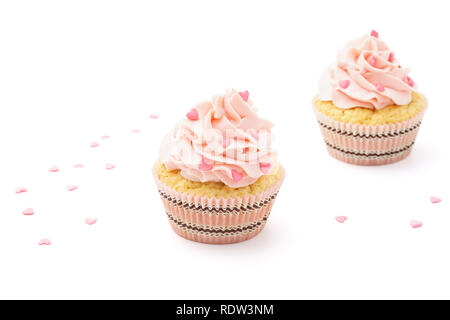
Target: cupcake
{"x": 368, "y": 108}
{"x": 217, "y": 173}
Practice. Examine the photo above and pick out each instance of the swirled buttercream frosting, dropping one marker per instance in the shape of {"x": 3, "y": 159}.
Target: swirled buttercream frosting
{"x": 222, "y": 140}
{"x": 367, "y": 74}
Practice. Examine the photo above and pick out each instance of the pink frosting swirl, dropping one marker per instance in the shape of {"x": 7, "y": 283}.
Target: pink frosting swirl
{"x": 221, "y": 140}
{"x": 368, "y": 75}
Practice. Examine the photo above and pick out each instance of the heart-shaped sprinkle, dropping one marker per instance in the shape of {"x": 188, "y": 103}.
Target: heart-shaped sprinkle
{"x": 372, "y": 61}
{"x": 78, "y": 165}
{"x": 94, "y": 144}
{"x": 154, "y": 116}
{"x": 203, "y": 166}
{"x": 379, "y": 87}
{"x": 90, "y": 221}
{"x": 374, "y": 34}
{"x": 435, "y": 199}
{"x": 105, "y": 137}
{"x": 136, "y": 131}
{"x": 410, "y": 82}
{"x": 391, "y": 57}
{"x": 192, "y": 115}
{"x": 265, "y": 167}
{"x": 110, "y": 166}
{"x": 71, "y": 187}
{"x": 237, "y": 176}
{"x": 45, "y": 242}
{"x": 416, "y": 224}
{"x": 53, "y": 169}
{"x": 344, "y": 84}
{"x": 341, "y": 219}
{"x": 21, "y": 189}
{"x": 28, "y": 212}
{"x": 244, "y": 95}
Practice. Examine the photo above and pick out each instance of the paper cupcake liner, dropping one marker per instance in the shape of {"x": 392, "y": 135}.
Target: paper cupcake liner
{"x": 217, "y": 220}
{"x": 369, "y": 145}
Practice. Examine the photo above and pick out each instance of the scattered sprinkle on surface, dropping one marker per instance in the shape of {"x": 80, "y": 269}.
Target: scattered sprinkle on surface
{"x": 21, "y": 190}
{"x": 416, "y": 224}
{"x": 72, "y": 187}
{"x": 341, "y": 219}
{"x": 110, "y": 166}
{"x": 28, "y": 212}
{"x": 434, "y": 199}
{"x": 90, "y": 221}
{"x": 53, "y": 169}
{"x": 45, "y": 242}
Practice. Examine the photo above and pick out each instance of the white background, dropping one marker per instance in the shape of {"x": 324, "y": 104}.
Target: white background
{"x": 72, "y": 71}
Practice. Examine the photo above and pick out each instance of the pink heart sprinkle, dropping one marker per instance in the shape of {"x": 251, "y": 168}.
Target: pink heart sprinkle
{"x": 105, "y": 137}
{"x": 21, "y": 189}
{"x": 154, "y": 116}
{"x": 78, "y": 165}
{"x": 344, "y": 84}
{"x": 94, "y": 144}
{"x": 54, "y": 169}
{"x": 244, "y": 95}
{"x": 237, "y": 176}
{"x": 90, "y": 221}
{"x": 391, "y": 57}
{"x": 379, "y": 87}
{"x": 28, "y": 212}
{"x": 372, "y": 61}
{"x": 110, "y": 166}
{"x": 192, "y": 115}
{"x": 435, "y": 199}
{"x": 416, "y": 224}
{"x": 136, "y": 131}
{"x": 265, "y": 167}
{"x": 341, "y": 219}
{"x": 374, "y": 34}
{"x": 410, "y": 82}
{"x": 45, "y": 242}
{"x": 204, "y": 166}
{"x": 71, "y": 187}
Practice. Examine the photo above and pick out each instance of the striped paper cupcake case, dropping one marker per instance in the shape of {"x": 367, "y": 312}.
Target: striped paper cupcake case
{"x": 369, "y": 145}
{"x": 217, "y": 220}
